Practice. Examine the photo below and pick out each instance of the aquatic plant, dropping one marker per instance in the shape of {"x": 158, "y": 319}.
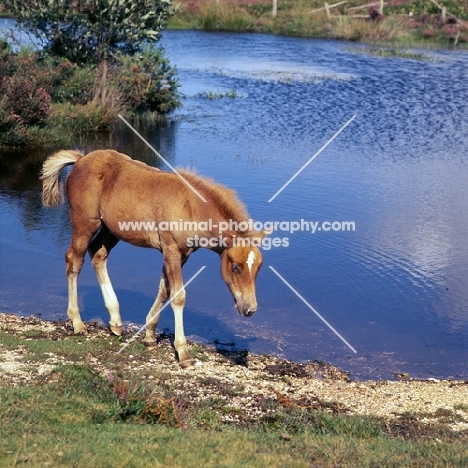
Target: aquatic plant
{"x": 391, "y": 53}
{"x": 217, "y": 94}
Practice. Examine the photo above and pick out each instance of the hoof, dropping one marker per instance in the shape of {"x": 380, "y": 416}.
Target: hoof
{"x": 116, "y": 329}
{"x": 151, "y": 344}
{"x": 186, "y": 364}
{"x": 80, "y": 330}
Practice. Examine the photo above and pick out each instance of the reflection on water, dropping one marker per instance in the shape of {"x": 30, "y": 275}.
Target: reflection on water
{"x": 396, "y": 288}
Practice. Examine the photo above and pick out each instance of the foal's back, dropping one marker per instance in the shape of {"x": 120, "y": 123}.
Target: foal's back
{"x": 98, "y": 173}
{"x": 110, "y": 187}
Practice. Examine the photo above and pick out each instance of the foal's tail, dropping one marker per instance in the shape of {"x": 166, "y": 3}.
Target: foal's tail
{"x": 52, "y": 187}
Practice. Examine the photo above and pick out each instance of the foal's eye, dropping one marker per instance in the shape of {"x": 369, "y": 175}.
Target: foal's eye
{"x": 236, "y": 268}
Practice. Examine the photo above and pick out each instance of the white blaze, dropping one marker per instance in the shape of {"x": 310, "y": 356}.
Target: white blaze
{"x": 250, "y": 260}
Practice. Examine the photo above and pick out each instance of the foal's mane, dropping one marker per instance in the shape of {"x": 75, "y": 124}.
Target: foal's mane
{"x": 225, "y": 198}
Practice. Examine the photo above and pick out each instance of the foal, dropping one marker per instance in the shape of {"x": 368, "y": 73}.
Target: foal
{"x": 107, "y": 190}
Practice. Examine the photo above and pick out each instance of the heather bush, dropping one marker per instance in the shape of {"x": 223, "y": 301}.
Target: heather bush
{"x": 12, "y": 132}
{"x": 7, "y": 121}
{"x": 24, "y": 100}
{"x": 46, "y": 71}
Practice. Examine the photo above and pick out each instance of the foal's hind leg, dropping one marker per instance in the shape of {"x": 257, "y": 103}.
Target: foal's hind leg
{"x": 99, "y": 250}
{"x": 74, "y": 258}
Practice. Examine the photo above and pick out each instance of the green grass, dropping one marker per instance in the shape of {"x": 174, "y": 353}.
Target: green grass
{"x": 95, "y": 410}
{"x": 74, "y": 420}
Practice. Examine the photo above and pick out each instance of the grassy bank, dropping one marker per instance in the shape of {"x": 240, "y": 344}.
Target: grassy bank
{"x": 404, "y": 22}
{"x": 70, "y": 400}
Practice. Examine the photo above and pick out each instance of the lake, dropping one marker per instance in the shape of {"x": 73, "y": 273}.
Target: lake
{"x": 391, "y": 282}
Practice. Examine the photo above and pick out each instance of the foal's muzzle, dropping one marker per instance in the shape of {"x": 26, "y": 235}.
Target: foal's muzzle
{"x": 245, "y": 309}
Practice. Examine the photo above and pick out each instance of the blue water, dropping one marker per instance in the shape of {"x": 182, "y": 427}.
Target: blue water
{"x": 395, "y": 288}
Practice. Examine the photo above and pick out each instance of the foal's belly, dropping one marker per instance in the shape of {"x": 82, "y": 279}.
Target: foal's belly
{"x": 139, "y": 233}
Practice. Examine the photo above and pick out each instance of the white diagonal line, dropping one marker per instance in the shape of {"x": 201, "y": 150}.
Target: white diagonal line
{"x": 173, "y": 169}
{"x": 312, "y": 158}
{"x": 133, "y": 338}
{"x": 312, "y": 309}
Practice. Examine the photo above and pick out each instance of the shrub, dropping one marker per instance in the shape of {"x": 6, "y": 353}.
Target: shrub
{"x": 12, "y": 132}
{"x": 46, "y": 71}
{"x": 429, "y": 33}
{"x": 88, "y": 95}
{"x": 92, "y": 31}
{"x": 147, "y": 81}
{"x": 79, "y": 87}
{"x": 40, "y": 94}
{"x": 5, "y": 52}
{"x": 7, "y": 121}
{"x": 52, "y": 72}
{"x": 23, "y": 99}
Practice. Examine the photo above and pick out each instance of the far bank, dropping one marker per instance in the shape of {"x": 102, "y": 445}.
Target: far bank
{"x": 395, "y": 23}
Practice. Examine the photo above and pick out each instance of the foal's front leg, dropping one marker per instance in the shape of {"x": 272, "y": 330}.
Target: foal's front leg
{"x": 154, "y": 314}
{"x": 180, "y": 342}
{"x": 173, "y": 262}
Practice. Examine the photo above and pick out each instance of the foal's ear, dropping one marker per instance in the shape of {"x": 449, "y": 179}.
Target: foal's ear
{"x": 229, "y": 236}
{"x": 258, "y": 234}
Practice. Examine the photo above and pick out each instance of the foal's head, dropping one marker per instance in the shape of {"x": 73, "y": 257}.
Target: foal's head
{"x": 240, "y": 263}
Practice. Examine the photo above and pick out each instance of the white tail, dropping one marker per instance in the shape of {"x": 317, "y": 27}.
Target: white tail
{"x": 52, "y": 187}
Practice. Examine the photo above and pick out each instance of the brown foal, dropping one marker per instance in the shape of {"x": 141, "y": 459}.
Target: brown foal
{"x": 113, "y": 197}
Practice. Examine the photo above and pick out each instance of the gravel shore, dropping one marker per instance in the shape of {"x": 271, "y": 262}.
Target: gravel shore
{"x": 243, "y": 378}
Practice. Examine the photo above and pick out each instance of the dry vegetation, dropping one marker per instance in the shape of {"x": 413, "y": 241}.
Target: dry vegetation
{"x": 403, "y": 21}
